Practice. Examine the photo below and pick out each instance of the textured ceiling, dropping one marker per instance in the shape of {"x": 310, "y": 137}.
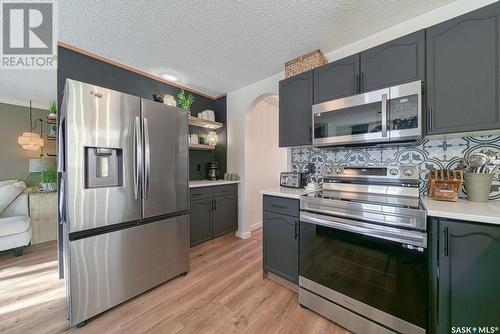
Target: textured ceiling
{"x": 220, "y": 45}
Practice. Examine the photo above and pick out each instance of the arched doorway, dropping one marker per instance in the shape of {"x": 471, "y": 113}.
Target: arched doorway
{"x": 264, "y": 159}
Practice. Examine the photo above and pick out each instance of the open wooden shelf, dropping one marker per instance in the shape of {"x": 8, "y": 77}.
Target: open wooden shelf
{"x": 201, "y": 147}
{"x": 203, "y": 123}
{"x": 51, "y": 120}
{"x": 53, "y": 138}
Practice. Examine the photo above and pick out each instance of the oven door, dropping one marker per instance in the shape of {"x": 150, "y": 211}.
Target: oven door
{"x": 375, "y": 271}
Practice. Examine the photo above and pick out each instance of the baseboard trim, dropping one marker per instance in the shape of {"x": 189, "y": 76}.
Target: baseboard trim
{"x": 255, "y": 226}
{"x": 243, "y": 235}
{"x": 281, "y": 281}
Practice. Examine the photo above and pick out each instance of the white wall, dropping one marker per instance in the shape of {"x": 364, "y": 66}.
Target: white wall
{"x": 264, "y": 160}
{"x": 240, "y": 101}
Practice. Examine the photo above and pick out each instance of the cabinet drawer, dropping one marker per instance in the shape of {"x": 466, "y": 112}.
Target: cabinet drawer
{"x": 225, "y": 190}
{"x": 201, "y": 193}
{"x": 285, "y": 206}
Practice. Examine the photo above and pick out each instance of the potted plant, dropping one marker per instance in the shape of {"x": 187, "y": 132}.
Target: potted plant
{"x": 52, "y": 109}
{"x": 49, "y": 180}
{"x": 185, "y": 101}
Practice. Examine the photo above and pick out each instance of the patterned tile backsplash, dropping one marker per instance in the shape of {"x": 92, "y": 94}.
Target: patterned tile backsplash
{"x": 427, "y": 154}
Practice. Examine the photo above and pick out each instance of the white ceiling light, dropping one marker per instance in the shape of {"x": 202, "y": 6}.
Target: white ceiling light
{"x": 170, "y": 77}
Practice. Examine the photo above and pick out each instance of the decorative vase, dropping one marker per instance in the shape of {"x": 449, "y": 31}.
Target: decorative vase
{"x": 49, "y": 187}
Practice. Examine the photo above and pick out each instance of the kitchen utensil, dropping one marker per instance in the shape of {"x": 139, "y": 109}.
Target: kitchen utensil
{"x": 445, "y": 184}
{"x": 462, "y": 164}
{"x": 478, "y": 186}
{"x": 477, "y": 161}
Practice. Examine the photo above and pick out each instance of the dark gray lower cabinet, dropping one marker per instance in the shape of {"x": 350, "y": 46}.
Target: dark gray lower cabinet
{"x": 214, "y": 212}
{"x": 225, "y": 215}
{"x": 468, "y": 275}
{"x": 201, "y": 224}
{"x": 281, "y": 246}
{"x": 281, "y": 238}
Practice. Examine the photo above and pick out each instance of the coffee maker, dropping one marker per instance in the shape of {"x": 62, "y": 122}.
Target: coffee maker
{"x": 213, "y": 171}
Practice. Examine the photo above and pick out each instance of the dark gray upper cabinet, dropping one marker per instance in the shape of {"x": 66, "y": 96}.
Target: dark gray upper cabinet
{"x": 295, "y": 110}
{"x": 201, "y": 223}
{"x": 469, "y": 282}
{"x": 463, "y": 57}
{"x": 396, "y": 62}
{"x": 225, "y": 215}
{"x": 280, "y": 242}
{"x": 337, "y": 79}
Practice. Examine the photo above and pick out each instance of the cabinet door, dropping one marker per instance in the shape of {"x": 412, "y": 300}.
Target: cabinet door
{"x": 225, "y": 215}
{"x": 469, "y": 282}
{"x": 337, "y": 79}
{"x": 463, "y": 57}
{"x": 201, "y": 227}
{"x": 281, "y": 246}
{"x": 396, "y": 62}
{"x": 295, "y": 110}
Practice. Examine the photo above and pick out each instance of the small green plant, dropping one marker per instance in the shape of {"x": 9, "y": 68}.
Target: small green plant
{"x": 49, "y": 176}
{"x": 53, "y": 107}
{"x": 185, "y": 101}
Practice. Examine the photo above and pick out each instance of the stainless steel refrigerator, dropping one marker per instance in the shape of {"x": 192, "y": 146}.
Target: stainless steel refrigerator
{"x": 123, "y": 196}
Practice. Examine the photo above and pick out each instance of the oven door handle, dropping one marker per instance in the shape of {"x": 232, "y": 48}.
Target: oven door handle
{"x": 414, "y": 238}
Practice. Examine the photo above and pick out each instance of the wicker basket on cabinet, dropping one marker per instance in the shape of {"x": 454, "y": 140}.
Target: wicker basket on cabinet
{"x": 304, "y": 63}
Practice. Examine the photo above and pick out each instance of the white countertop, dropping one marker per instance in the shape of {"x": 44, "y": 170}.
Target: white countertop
{"x": 464, "y": 210}
{"x": 285, "y": 192}
{"x": 207, "y": 183}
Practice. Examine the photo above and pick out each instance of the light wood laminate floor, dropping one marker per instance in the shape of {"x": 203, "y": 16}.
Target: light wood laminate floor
{"x": 224, "y": 292}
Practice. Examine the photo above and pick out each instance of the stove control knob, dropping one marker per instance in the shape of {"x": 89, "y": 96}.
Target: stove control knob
{"x": 408, "y": 172}
{"x": 328, "y": 170}
{"x": 394, "y": 171}
{"x": 338, "y": 171}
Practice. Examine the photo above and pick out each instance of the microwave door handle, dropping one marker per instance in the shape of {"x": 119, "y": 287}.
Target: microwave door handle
{"x": 415, "y": 238}
{"x": 384, "y": 115}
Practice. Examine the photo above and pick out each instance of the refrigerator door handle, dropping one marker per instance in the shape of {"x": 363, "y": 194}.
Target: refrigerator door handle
{"x": 147, "y": 158}
{"x": 137, "y": 156}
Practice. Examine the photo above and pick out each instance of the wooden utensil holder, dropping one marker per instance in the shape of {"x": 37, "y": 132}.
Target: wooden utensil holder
{"x": 445, "y": 184}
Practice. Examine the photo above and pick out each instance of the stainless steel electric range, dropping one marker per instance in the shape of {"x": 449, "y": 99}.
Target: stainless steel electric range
{"x": 363, "y": 250}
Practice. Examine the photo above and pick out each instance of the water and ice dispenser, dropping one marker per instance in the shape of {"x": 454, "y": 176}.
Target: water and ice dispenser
{"x": 103, "y": 167}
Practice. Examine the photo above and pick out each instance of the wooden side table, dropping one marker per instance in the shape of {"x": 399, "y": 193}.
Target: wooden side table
{"x": 43, "y": 216}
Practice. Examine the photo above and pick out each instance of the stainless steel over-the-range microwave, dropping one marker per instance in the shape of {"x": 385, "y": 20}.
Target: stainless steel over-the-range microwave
{"x": 391, "y": 114}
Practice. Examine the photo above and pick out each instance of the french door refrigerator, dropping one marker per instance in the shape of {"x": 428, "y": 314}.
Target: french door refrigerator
{"x": 123, "y": 196}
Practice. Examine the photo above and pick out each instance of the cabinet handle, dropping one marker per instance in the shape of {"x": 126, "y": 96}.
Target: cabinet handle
{"x": 446, "y": 241}
{"x": 296, "y": 230}
{"x": 361, "y": 82}
{"x": 430, "y": 118}
{"x": 215, "y": 204}
{"x": 355, "y": 83}
{"x": 278, "y": 206}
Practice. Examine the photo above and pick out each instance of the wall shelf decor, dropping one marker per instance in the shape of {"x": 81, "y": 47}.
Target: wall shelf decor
{"x": 203, "y": 123}
{"x": 201, "y": 147}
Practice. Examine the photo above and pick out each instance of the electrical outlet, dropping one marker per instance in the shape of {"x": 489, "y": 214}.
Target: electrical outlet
{"x": 198, "y": 167}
